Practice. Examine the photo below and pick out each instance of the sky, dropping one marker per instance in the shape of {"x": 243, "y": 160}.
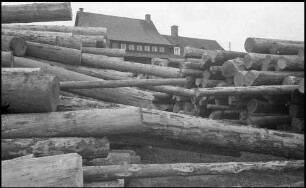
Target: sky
{"x": 225, "y": 22}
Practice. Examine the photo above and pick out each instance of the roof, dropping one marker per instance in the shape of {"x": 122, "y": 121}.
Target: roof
{"x": 193, "y": 42}
{"x": 121, "y": 28}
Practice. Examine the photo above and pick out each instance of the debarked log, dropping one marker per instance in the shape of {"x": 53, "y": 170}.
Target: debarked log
{"x": 15, "y": 44}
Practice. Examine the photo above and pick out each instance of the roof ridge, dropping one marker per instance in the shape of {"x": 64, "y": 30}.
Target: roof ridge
{"x": 112, "y": 16}
{"x": 189, "y": 37}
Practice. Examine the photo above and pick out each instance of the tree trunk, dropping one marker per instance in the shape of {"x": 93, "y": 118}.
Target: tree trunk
{"x": 190, "y": 52}
{"x": 249, "y": 90}
{"x": 191, "y": 65}
{"x": 128, "y": 96}
{"x": 175, "y": 62}
{"x": 29, "y": 91}
{"x": 104, "y": 51}
{"x": 291, "y": 80}
{"x": 262, "y": 106}
{"x": 59, "y": 28}
{"x": 230, "y": 67}
{"x": 89, "y": 148}
{"x": 68, "y": 42}
{"x": 254, "y": 61}
{"x": 218, "y": 114}
{"x": 268, "y": 121}
{"x": 121, "y": 83}
{"x": 261, "y": 45}
{"x": 191, "y": 72}
{"x": 301, "y": 86}
{"x": 294, "y": 63}
{"x": 36, "y": 12}
{"x": 102, "y": 173}
{"x": 52, "y": 171}
{"x": 54, "y": 53}
{"x": 173, "y": 90}
{"x": 283, "y": 48}
{"x": 7, "y": 59}
{"x": 257, "y": 78}
{"x": 91, "y": 41}
{"x": 298, "y": 125}
{"x": 101, "y": 62}
{"x": 221, "y": 56}
{"x": 15, "y": 44}
{"x": 301, "y": 52}
{"x": 207, "y": 56}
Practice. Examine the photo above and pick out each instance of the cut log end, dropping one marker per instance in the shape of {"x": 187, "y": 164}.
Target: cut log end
{"x": 239, "y": 79}
{"x": 252, "y": 106}
{"x": 281, "y": 63}
{"x": 19, "y": 46}
{"x": 247, "y": 61}
{"x": 249, "y": 45}
{"x": 301, "y": 86}
{"x": 54, "y": 94}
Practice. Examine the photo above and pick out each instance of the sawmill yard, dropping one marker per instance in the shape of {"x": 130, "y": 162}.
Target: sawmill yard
{"x": 76, "y": 111}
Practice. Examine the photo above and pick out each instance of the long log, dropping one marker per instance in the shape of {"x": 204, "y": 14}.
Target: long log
{"x": 155, "y": 122}
{"x": 54, "y": 53}
{"x": 230, "y": 67}
{"x": 191, "y": 72}
{"x": 91, "y": 41}
{"x": 269, "y": 121}
{"x": 254, "y": 61}
{"x": 209, "y": 83}
{"x": 29, "y": 91}
{"x": 121, "y": 83}
{"x": 291, "y": 80}
{"x": 128, "y": 96}
{"x": 191, "y": 65}
{"x": 69, "y": 42}
{"x": 173, "y": 90}
{"x": 294, "y": 63}
{"x": 36, "y": 12}
{"x": 262, "y": 106}
{"x": 262, "y": 45}
{"x": 249, "y": 90}
{"x": 159, "y": 61}
{"x": 104, "y": 63}
{"x": 257, "y": 78}
{"x": 89, "y": 148}
{"x": 190, "y": 52}
{"x": 185, "y": 169}
{"x": 59, "y": 28}
{"x": 230, "y": 114}
{"x": 7, "y": 59}
{"x": 15, "y": 44}
{"x": 302, "y": 86}
{"x": 112, "y": 183}
{"x": 104, "y": 51}
{"x": 220, "y": 56}
{"x": 207, "y": 55}
{"x": 175, "y": 62}
{"x": 283, "y": 48}
{"x": 52, "y": 171}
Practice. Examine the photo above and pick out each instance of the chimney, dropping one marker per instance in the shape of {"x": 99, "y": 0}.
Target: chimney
{"x": 81, "y": 9}
{"x": 174, "y": 31}
{"x": 148, "y": 18}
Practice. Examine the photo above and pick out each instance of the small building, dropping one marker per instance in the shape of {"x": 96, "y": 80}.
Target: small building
{"x": 139, "y": 37}
{"x": 179, "y": 43}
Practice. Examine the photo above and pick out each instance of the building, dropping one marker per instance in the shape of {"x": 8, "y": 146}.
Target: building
{"x": 139, "y": 37}
{"x": 179, "y": 43}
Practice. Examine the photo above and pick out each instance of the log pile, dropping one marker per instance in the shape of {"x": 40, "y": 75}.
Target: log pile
{"x": 68, "y": 101}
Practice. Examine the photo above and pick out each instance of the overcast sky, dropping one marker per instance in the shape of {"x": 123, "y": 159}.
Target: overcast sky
{"x": 221, "y": 21}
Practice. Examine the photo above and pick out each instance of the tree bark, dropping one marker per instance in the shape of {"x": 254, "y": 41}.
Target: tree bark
{"x": 101, "y": 62}
{"x": 268, "y": 121}
{"x": 191, "y": 72}
{"x": 89, "y": 148}
{"x": 291, "y": 80}
{"x": 249, "y": 90}
{"x": 262, "y": 45}
{"x": 301, "y": 86}
{"x": 52, "y": 171}
{"x": 29, "y": 91}
{"x": 54, "y": 53}
{"x": 257, "y": 78}
{"x": 104, "y": 51}
{"x": 185, "y": 169}
{"x": 230, "y": 67}
{"x": 262, "y": 106}
{"x": 220, "y": 56}
{"x": 59, "y": 28}
{"x": 68, "y": 42}
{"x": 190, "y": 52}
{"x": 15, "y": 44}
{"x": 254, "y": 61}
{"x": 7, "y": 59}
{"x": 121, "y": 83}
{"x": 128, "y": 96}
{"x": 294, "y": 63}
{"x": 283, "y": 48}
{"x": 36, "y": 12}
{"x": 173, "y": 90}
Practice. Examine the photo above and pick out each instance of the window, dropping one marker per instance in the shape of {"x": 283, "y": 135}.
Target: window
{"x": 162, "y": 49}
{"x": 139, "y": 48}
{"x": 123, "y": 46}
{"x": 177, "y": 51}
{"x": 131, "y": 47}
{"x": 154, "y": 48}
{"x": 146, "y": 48}
{"x": 115, "y": 45}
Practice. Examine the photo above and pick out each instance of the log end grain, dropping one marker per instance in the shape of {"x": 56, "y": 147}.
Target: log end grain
{"x": 19, "y": 46}
{"x": 250, "y": 77}
{"x": 249, "y": 45}
{"x": 54, "y": 94}
{"x": 252, "y": 106}
{"x": 281, "y": 63}
{"x": 248, "y": 61}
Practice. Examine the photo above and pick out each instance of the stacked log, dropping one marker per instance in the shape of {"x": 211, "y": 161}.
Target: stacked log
{"x": 15, "y": 44}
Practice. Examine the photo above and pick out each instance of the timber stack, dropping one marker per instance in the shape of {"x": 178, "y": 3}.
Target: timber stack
{"x": 70, "y": 105}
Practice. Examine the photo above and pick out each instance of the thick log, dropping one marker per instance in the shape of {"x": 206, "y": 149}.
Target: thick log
{"x": 128, "y": 96}
{"x": 173, "y": 90}
{"x": 249, "y": 90}
{"x": 291, "y": 63}
{"x": 262, "y": 106}
{"x": 112, "y": 183}
{"x": 207, "y": 55}
{"x": 269, "y": 121}
{"x": 104, "y": 63}
{"x": 230, "y": 67}
{"x": 218, "y": 107}
{"x": 89, "y": 148}
{"x": 28, "y": 92}
{"x": 225, "y": 114}
{"x": 191, "y": 65}
{"x": 296, "y": 111}
{"x": 191, "y": 72}
{"x": 298, "y": 125}
{"x": 254, "y": 61}
{"x": 283, "y": 48}
{"x": 301, "y": 52}
{"x": 91, "y": 41}
{"x": 220, "y": 56}
{"x": 7, "y": 59}
{"x": 262, "y": 45}
{"x": 59, "y": 28}
{"x": 52, "y": 171}
{"x": 175, "y": 62}
{"x": 54, "y": 53}
{"x": 209, "y": 83}
{"x": 68, "y": 42}
{"x": 301, "y": 86}
{"x": 120, "y": 83}
{"x": 104, "y": 51}
{"x": 15, "y": 44}
{"x": 291, "y": 80}
{"x": 239, "y": 78}
{"x": 185, "y": 169}
{"x": 36, "y": 12}
{"x": 257, "y": 78}
{"x": 190, "y": 52}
